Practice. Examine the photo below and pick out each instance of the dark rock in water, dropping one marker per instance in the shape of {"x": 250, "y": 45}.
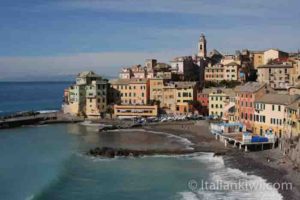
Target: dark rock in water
{"x": 112, "y": 152}
{"x": 219, "y": 154}
{"x": 108, "y": 128}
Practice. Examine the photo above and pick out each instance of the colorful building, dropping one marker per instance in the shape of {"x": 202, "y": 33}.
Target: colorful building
{"x": 203, "y": 99}
{"x": 278, "y": 76}
{"x": 292, "y": 116}
{"x": 232, "y": 71}
{"x": 87, "y": 97}
{"x": 130, "y": 91}
{"x": 174, "y": 97}
{"x": 185, "y": 93}
{"x": 257, "y": 58}
{"x": 273, "y": 54}
{"x": 218, "y": 99}
{"x": 245, "y": 98}
{"x": 270, "y": 113}
{"x": 214, "y": 73}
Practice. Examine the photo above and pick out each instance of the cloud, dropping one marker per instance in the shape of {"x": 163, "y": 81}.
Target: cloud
{"x": 201, "y": 7}
{"x": 107, "y": 63}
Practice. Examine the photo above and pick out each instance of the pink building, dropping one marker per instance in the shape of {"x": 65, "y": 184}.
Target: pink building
{"x": 245, "y": 97}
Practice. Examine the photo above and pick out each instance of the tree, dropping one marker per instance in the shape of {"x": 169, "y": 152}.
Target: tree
{"x": 110, "y": 111}
{"x": 196, "y": 105}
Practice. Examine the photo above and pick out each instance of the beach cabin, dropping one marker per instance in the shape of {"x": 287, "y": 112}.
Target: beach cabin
{"x": 270, "y": 135}
{"x": 247, "y": 137}
{"x": 226, "y": 128}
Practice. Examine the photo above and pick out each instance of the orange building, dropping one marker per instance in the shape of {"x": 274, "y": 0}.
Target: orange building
{"x": 130, "y": 91}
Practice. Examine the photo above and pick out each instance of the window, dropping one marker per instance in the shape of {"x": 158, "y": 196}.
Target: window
{"x": 273, "y": 107}
{"x": 279, "y": 108}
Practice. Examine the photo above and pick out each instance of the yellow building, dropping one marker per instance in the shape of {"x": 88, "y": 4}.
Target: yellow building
{"x": 174, "y": 97}
{"x": 218, "y": 100}
{"x": 169, "y": 98}
{"x": 185, "y": 93}
{"x": 130, "y": 91}
{"x": 257, "y": 58}
{"x": 156, "y": 87}
{"x": 96, "y": 98}
{"x": 124, "y": 111}
{"x": 270, "y": 113}
{"x": 292, "y": 115}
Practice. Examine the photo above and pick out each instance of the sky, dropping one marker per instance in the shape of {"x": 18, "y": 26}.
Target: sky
{"x": 43, "y": 39}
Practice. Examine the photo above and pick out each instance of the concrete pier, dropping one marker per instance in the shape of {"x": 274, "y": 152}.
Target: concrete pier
{"x": 236, "y": 140}
{"x": 44, "y": 118}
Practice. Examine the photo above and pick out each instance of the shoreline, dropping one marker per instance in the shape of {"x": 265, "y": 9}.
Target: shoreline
{"x": 256, "y": 163}
{"x": 278, "y": 170}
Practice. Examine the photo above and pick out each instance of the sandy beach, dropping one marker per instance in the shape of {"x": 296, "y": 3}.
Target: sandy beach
{"x": 278, "y": 169}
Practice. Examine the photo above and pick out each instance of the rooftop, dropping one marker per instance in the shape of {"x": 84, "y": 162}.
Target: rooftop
{"x": 276, "y": 66}
{"x": 128, "y": 81}
{"x": 184, "y": 84}
{"x": 282, "y": 99}
{"x": 249, "y": 87}
{"x": 87, "y": 74}
{"x": 294, "y": 105}
{"x": 226, "y": 91}
{"x": 232, "y": 64}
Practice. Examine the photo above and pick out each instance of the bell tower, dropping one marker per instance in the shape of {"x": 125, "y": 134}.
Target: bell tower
{"x": 202, "y": 46}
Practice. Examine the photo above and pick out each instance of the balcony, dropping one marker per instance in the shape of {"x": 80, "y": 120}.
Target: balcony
{"x": 91, "y": 95}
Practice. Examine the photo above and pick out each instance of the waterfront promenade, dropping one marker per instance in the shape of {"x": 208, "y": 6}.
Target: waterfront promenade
{"x": 37, "y": 118}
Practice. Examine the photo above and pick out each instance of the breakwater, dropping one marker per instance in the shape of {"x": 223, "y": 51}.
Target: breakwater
{"x": 37, "y": 118}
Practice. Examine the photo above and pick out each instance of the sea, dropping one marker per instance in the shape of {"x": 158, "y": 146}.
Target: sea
{"x": 50, "y": 161}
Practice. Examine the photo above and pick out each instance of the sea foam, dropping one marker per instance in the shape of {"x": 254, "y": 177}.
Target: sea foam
{"x": 220, "y": 176}
{"x": 47, "y": 111}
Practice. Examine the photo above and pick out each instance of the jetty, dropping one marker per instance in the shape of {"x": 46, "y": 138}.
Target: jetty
{"x": 34, "y": 118}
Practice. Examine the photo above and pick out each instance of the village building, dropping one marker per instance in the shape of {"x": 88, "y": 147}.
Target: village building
{"x": 278, "y": 76}
{"x": 87, "y": 97}
{"x": 270, "y": 113}
{"x": 245, "y": 98}
{"x": 130, "y": 91}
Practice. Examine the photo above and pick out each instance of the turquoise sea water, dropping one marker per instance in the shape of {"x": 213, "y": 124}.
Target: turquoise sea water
{"x": 49, "y": 161}
{"x": 27, "y": 96}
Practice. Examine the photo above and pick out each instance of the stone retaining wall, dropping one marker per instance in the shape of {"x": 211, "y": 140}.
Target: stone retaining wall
{"x": 291, "y": 148}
